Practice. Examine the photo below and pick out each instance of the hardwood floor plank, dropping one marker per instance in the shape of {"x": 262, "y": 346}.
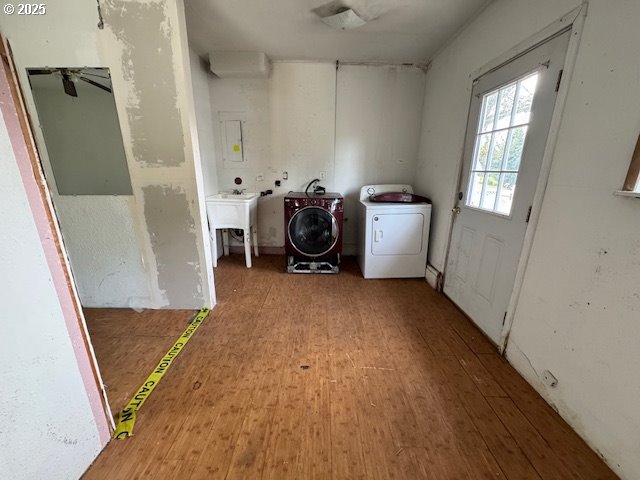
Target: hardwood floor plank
{"x": 347, "y": 452}
{"x": 251, "y": 447}
{"x": 569, "y": 447}
{"x": 314, "y": 458}
{"x": 502, "y": 445}
{"x": 538, "y": 450}
{"x": 326, "y": 377}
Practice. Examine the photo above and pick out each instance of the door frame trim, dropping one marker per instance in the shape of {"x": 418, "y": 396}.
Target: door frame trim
{"x": 573, "y": 20}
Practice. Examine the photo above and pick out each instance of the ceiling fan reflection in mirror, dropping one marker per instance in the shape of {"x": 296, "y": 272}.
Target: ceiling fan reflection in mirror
{"x": 70, "y": 76}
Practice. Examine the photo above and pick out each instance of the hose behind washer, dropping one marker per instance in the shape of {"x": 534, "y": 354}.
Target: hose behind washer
{"x": 318, "y": 190}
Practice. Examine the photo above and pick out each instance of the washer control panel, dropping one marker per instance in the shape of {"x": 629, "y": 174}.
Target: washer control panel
{"x": 331, "y": 201}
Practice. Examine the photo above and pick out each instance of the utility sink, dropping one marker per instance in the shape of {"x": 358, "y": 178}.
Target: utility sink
{"x": 229, "y": 197}
{"x": 235, "y": 211}
{"x": 228, "y": 210}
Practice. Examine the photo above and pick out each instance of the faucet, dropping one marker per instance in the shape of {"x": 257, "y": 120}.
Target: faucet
{"x": 238, "y": 192}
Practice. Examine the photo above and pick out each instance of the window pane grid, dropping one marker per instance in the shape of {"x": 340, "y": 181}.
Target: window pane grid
{"x": 507, "y": 148}
{"x": 500, "y": 136}
{"x": 510, "y": 127}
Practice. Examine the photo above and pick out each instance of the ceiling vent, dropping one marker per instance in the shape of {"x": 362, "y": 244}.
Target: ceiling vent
{"x": 344, "y": 19}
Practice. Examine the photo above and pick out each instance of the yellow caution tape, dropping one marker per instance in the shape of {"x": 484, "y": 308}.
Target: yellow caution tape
{"x": 127, "y": 417}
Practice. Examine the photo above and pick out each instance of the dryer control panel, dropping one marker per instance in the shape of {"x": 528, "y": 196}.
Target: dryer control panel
{"x": 368, "y": 190}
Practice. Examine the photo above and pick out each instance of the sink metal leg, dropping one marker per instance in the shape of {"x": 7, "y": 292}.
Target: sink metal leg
{"x": 214, "y": 246}
{"x": 254, "y": 232}
{"x": 225, "y": 241}
{"x": 247, "y": 247}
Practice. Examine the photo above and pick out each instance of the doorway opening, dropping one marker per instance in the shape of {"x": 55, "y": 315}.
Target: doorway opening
{"x": 77, "y": 131}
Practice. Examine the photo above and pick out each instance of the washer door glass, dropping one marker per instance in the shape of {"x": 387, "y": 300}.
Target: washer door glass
{"x": 313, "y": 231}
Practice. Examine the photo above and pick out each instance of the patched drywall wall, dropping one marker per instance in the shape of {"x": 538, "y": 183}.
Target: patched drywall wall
{"x": 290, "y": 120}
{"x": 579, "y": 306}
{"x": 144, "y": 45}
{"x": 176, "y": 273}
{"x": 145, "y": 30}
{"x": 146, "y": 42}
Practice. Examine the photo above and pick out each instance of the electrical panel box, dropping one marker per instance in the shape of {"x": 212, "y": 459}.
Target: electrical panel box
{"x": 232, "y": 131}
{"x": 233, "y": 135}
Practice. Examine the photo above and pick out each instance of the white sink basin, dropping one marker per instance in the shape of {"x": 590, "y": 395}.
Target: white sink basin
{"x": 226, "y": 210}
{"x": 231, "y": 198}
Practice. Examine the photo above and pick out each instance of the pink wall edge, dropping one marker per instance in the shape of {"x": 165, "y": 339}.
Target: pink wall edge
{"x": 47, "y": 239}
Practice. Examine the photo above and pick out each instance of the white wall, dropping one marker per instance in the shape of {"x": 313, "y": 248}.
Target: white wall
{"x": 249, "y": 96}
{"x": 47, "y": 427}
{"x": 100, "y": 237}
{"x": 200, "y": 75}
{"x": 291, "y": 118}
{"x": 578, "y": 310}
{"x": 302, "y": 108}
{"x": 289, "y": 127}
{"x": 152, "y": 89}
{"x": 377, "y": 132}
{"x": 98, "y": 230}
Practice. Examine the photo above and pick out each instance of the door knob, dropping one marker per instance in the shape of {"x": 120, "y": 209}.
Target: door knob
{"x": 456, "y": 210}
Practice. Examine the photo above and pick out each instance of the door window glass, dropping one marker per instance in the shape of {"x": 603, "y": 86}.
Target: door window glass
{"x": 500, "y": 137}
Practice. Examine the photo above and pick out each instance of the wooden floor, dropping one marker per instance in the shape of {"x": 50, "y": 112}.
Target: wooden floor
{"x": 319, "y": 377}
{"x": 129, "y": 345}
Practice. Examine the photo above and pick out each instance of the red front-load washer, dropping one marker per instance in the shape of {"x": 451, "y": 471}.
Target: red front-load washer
{"x": 313, "y": 232}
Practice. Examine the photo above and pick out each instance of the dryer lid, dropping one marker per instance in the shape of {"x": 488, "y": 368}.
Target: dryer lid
{"x": 368, "y": 190}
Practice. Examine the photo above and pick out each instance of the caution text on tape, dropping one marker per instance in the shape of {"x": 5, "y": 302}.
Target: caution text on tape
{"x": 127, "y": 417}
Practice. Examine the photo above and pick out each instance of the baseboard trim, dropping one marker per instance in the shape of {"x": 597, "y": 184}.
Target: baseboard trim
{"x": 347, "y": 250}
{"x": 262, "y": 250}
{"x": 433, "y": 277}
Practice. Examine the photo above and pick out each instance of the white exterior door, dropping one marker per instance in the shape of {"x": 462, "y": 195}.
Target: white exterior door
{"x": 507, "y": 130}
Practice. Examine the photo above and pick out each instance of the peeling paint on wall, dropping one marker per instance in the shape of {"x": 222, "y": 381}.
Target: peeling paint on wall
{"x": 147, "y": 26}
{"x": 171, "y": 227}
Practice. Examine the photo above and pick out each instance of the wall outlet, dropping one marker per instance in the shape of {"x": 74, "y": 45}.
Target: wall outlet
{"x": 549, "y": 379}
{"x": 260, "y": 178}
{"x": 285, "y": 175}
{"x": 323, "y": 175}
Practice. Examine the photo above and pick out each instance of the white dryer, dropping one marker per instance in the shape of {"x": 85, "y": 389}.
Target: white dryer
{"x": 393, "y": 237}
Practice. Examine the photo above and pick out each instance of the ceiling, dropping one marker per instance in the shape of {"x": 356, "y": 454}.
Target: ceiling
{"x": 398, "y": 31}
